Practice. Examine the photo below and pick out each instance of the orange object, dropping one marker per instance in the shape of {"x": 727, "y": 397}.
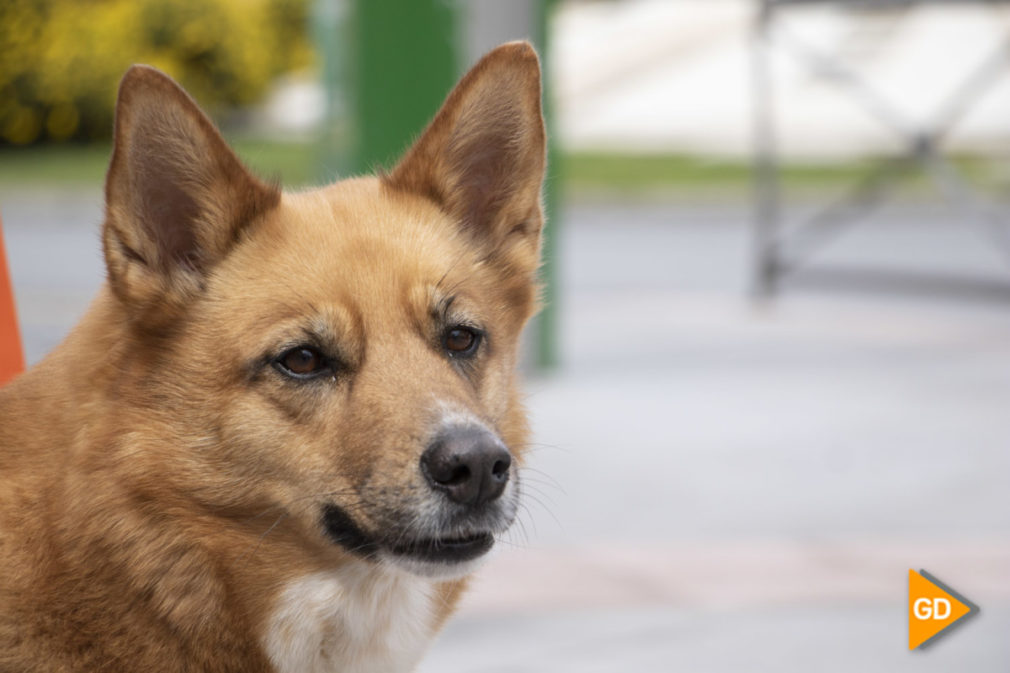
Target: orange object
{"x": 12, "y": 357}
{"x": 932, "y": 608}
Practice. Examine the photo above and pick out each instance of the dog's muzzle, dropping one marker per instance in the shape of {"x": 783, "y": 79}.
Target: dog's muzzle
{"x": 468, "y": 471}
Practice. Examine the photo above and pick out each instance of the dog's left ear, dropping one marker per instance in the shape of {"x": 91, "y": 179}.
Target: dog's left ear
{"x": 482, "y": 157}
{"x": 177, "y": 198}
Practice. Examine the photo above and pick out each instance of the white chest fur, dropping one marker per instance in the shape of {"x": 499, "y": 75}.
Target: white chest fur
{"x": 364, "y": 618}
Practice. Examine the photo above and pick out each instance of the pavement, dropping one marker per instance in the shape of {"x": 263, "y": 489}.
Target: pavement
{"x": 716, "y": 484}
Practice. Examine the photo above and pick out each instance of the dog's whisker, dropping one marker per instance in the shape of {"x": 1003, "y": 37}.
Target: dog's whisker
{"x": 244, "y": 559}
{"x": 518, "y": 528}
{"x": 524, "y": 509}
{"x": 537, "y": 447}
{"x": 509, "y": 543}
{"x": 452, "y": 266}
{"x": 541, "y": 497}
{"x": 543, "y": 505}
{"x": 540, "y": 479}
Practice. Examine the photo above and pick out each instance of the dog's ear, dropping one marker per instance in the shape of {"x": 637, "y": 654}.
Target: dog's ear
{"x": 176, "y": 198}
{"x": 482, "y": 157}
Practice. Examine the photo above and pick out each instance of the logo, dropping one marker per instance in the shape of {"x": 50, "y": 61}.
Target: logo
{"x": 933, "y": 608}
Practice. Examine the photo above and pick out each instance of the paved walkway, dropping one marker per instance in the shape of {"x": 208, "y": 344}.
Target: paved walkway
{"x": 715, "y": 486}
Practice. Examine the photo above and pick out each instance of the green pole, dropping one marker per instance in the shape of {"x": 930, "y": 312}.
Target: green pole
{"x": 386, "y": 67}
{"x": 405, "y": 63}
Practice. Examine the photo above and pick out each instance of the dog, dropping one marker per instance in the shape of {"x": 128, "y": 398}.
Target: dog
{"x": 288, "y": 427}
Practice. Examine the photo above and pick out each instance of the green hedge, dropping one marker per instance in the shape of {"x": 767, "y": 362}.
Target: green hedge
{"x": 61, "y": 60}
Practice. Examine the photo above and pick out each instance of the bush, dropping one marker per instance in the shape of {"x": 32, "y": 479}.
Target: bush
{"x": 61, "y": 60}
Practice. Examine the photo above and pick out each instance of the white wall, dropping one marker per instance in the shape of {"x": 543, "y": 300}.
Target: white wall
{"x": 674, "y": 76}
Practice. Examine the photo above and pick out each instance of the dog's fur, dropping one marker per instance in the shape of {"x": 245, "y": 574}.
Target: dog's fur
{"x": 173, "y": 499}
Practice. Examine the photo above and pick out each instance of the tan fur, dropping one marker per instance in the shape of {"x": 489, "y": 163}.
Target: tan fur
{"x": 160, "y": 481}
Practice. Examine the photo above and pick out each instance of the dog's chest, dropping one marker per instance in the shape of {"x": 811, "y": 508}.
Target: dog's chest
{"x": 366, "y": 620}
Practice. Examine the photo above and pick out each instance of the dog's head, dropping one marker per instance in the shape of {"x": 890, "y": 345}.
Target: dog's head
{"x": 345, "y": 355}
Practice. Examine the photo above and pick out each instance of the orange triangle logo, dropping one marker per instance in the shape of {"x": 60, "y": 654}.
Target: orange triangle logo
{"x": 933, "y": 607}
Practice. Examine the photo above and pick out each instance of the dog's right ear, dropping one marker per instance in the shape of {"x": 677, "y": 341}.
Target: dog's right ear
{"x": 176, "y": 198}
{"x": 482, "y": 157}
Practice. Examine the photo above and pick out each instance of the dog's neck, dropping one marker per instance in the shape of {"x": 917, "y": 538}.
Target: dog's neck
{"x": 364, "y": 617}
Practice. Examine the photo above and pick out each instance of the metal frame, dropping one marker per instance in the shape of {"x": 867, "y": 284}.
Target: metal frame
{"x": 777, "y": 255}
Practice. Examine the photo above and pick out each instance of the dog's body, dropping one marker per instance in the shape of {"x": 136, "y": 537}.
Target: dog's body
{"x": 281, "y": 436}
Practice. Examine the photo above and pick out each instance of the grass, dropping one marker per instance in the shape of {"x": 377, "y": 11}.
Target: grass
{"x": 678, "y": 174}
{"x": 637, "y": 171}
{"x": 85, "y": 165}
{"x": 59, "y": 164}
{"x": 580, "y": 174}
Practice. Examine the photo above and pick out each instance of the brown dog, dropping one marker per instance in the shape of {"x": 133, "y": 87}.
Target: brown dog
{"x": 288, "y": 426}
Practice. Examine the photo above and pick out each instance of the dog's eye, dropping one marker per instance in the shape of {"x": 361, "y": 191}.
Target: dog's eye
{"x": 461, "y": 341}
{"x": 302, "y": 362}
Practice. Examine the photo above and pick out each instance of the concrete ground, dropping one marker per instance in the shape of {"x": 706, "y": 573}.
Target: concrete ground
{"x": 715, "y": 485}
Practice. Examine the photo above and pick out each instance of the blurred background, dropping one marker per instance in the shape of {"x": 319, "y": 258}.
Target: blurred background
{"x": 773, "y": 374}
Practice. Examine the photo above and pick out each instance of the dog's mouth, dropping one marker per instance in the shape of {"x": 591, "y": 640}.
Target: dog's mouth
{"x": 445, "y": 550}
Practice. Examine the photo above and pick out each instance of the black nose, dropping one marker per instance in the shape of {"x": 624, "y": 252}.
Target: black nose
{"x": 470, "y": 465}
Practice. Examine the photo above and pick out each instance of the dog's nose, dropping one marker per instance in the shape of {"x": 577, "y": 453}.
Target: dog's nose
{"x": 470, "y": 465}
